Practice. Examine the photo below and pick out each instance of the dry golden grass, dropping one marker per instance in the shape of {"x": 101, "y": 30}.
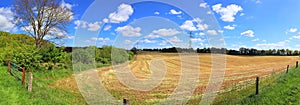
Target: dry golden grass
{"x": 238, "y": 68}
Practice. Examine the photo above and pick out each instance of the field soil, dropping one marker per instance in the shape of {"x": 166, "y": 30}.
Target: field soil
{"x": 238, "y": 70}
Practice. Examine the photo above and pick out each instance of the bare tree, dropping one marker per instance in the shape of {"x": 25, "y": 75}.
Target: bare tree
{"x": 42, "y": 18}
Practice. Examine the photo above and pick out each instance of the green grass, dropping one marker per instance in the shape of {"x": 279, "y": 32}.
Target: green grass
{"x": 13, "y": 93}
{"x": 277, "y": 89}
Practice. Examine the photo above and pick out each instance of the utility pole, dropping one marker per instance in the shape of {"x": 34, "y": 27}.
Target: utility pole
{"x": 190, "y": 44}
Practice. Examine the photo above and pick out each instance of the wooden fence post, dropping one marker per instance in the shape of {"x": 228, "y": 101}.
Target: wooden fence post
{"x": 126, "y": 101}
{"x": 30, "y": 81}
{"x": 8, "y": 68}
{"x": 257, "y": 85}
{"x": 23, "y": 75}
{"x": 297, "y": 64}
{"x": 287, "y": 68}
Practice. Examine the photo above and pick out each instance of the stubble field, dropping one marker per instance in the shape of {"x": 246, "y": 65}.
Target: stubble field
{"x": 238, "y": 70}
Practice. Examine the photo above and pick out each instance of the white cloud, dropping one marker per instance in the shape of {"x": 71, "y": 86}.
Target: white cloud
{"x": 174, "y": 12}
{"x": 152, "y": 36}
{"x": 129, "y": 31}
{"x": 100, "y": 39}
{"x": 197, "y": 40}
{"x": 188, "y": 25}
{"x": 80, "y": 24}
{"x": 122, "y": 15}
{"x": 69, "y": 7}
{"x": 281, "y": 44}
{"x": 221, "y": 31}
{"x": 296, "y": 37}
{"x": 202, "y": 26}
{"x": 105, "y": 20}
{"x": 230, "y": 27}
{"x": 227, "y": 13}
{"x": 257, "y": 1}
{"x": 107, "y": 27}
{"x": 165, "y": 32}
{"x": 255, "y": 40}
{"x": 147, "y": 41}
{"x": 56, "y": 33}
{"x": 128, "y": 42}
{"x": 242, "y": 14}
{"x": 248, "y": 33}
{"x": 212, "y": 32}
{"x": 156, "y": 13}
{"x": 201, "y": 33}
{"x": 175, "y": 39}
{"x": 163, "y": 43}
{"x": 94, "y": 26}
{"x": 209, "y": 12}
{"x": 197, "y": 20}
{"x": 66, "y": 5}
{"x": 6, "y": 19}
{"x": 203, "y": 5}
{"x": 293, "y": 30}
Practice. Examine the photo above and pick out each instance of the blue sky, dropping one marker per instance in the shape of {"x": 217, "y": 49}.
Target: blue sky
{"x": 261, "y": 24}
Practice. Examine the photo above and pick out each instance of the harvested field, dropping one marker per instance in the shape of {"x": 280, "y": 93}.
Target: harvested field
{"x": 238, "y": 69}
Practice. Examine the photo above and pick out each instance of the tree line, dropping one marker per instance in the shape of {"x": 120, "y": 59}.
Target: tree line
{"x": 241, "y": 51}
{"x": 21, "y": 49}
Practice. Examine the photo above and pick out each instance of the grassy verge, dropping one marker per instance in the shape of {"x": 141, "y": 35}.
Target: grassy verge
{"x": 43, "y": 93}
{"x": 277, "y": 89}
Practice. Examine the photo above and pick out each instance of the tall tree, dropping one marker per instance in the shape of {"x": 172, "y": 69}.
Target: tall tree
{"x": 43, "y": 18}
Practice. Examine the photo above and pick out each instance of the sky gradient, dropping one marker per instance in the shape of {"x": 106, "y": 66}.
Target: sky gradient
{"x": 260, "y": 24}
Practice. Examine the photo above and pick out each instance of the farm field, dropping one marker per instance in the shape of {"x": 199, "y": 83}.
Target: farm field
{"x": 238, "y": 70}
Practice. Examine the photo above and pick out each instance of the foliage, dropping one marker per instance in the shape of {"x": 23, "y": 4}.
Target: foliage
{"x": 43, "y": 92}
{"x": 278, "y": 89}
{"x": 20, "y": 49}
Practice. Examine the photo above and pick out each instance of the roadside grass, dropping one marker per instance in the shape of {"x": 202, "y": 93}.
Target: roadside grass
{"x": 43, "y": 92}
{"x": 277, "y": 89}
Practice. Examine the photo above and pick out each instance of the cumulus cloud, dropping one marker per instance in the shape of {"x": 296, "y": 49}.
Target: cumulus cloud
{"x": 212, "y": 32}
{"x": 147, "y": 41}
{"x": 201, "y": 33}
{"x": 66, "y": 5}
{"x": 242, "y": 14}
{"x": 129, "y": 31}
{"x": 199, "y": 40}
{"x": 122, "y": 14}
{"x": 6, "y": 19}
{"x": 230, "y": 27}
{"x": 203, "y": 5}
{"x": 293, "y": 30}
{"x": 188, "y": 25}
{"x": 128, "y": 41}
{"x": 152, "y": 36}
{"x": 175, "y": 39}
{"x": 296, "y": 37}
{"x": 107, "y": 27}
{"x": 165, "y": 32}
{"x": 94, "y": 26}
{"x": 100, "y": 39}
{"x": 80, "y": 24}
{"x": 202, "y": 27}
{"x": 248, "y": 33}
{"x": 174, "y": 12}
{"x": 227, "y": 13}
{"x": 163, "y": 43}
